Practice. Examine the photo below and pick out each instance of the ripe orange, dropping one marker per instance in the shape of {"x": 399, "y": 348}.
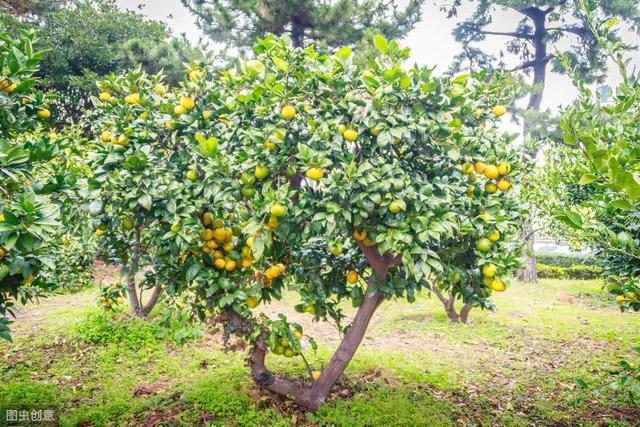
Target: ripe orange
{"x": 187, "y": 103}
{"x": 504, "y": 168}
{"x": 278, "y": 210}
{"x": 315, "y": 174}
{"x": 489, "y": 270}
{"x": 288, "y": 112}
{"x": 350, "y": 135}
{"x": 220, "y": 263}
{"x": 499, "y": 110}
{"x": 352, "y": 277}
{"x": 261, "y": 172}
{"x": 479, "y": 167}
{"x": 498, "y": 285}
{"x": 490, "y": 187}
{"x": 491, "y": 172}
{"x": 495, "y": 236}
{"x": 467, "y": 168}
{"x": 359, "y": 235}
{"x": 44, "y": 113}
{"x": 504, "y": 184}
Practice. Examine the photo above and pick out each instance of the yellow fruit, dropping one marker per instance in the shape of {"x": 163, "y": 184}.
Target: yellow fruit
{"x": 187, "y": 103}
{"x": 261, "y": 172}
{"x": 467, "y": 168}
{"x": 490, "y": 187}
{"x": 207, "y": 235}
{"x": 220, "y": 263}
{"x": 315, "y": 174}
{"x": 216, "y": 254}
{"x": 315, "y": 375}
{"x": 288, "y": 112}
{"x": 220, "y": 234}
{"x": 631, "y": 296}
{"x": 252, "y": 302}
{"x": 495, "y": 236}
{"x": 175, "y": 228}
{"x": 105, "y": 96}
{"x": 491, "y": 172}
{"x": 195, "y": 75}
{"x": 207, "y": 218}
{"x": 132, "y": 99}
{"x": 620, "y": 299}
{"x": 250, "y": 241}
{"x": 308, "y": 107}
{"x": 359, "y": 235}
{"x": 498, "y": 285}
{"x": 1, "y": 217}
{"x": 179, "y": 109}
{"x": 122, "y": 140}
{"x": 470, "y": 190}
{"x": 350, "y": 135}
{"x": 211, "y": 244}
{"x": 485, "y": 217}
{"x": 504, "y": 184}
{"x": 342, "y": 129}
{"x": 504, "y": 168}
{"x": 228, "y": 247}
{"x": 395, "y": 206}
{"x": 105, "y": 136}
{"x": 278, "y": 210}
{"x": 144, "y": 115}
{"x": 230, "y": 265}
{"x": 311, "y": 309}
{"x": 369, "y": 242}
{"x": 192, "y": 175}
{"x": 160, "y": 90}
{"x": 479, "y": 167}
{"x": 499, "y": 110}
{"x": 489, "y": 270}
{"x": 352, "y": 277}
{"x": 3, "y": 252}
{"x": 170, "y": 124}
{"x": 206, "y": 115}
{"x": 44, "y": 113}
{"x": 246, "y": 263}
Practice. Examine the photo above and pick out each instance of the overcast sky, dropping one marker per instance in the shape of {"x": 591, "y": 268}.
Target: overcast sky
{"x": 431, "y": 41}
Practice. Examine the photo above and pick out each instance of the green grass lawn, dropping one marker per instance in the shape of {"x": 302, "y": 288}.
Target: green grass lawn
{"x": 516, "y": 366}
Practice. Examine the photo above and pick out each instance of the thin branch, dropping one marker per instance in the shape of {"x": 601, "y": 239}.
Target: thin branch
{"x": 508, "y": 34}
{"x": 532, "y": 63}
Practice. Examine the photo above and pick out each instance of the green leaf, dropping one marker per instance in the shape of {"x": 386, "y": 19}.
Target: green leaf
{"x": 621, "y": 204}
{"x": 145, "y": 201}
{"x": 587, "y": 179}
{"x": 381, "y": 43}
{"x": 344, "y": 53}
{"x": 280, "y": 64}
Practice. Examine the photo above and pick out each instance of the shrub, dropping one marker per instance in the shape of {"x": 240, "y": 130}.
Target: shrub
{"x": 576, "y": 271}
{"x": 564, "y": 260}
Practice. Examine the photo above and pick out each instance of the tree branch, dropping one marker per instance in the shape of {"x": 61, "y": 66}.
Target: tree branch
{"x": 532, "y": 63}
{"x": 508, "y": 34}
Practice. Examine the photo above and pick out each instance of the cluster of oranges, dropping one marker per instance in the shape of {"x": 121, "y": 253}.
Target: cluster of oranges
{"x": 490, "y": 279}
{"x": 496, "y": 177}
{"x": 282, "y": 347}
{"x": 220, "y": 241}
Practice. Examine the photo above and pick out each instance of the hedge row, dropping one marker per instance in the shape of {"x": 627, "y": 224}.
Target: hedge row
{"x": 565, "y": 260}
{"x": 577, "y": 271}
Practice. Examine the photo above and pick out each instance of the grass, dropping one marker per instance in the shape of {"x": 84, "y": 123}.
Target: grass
{"x": 517, "y": 366}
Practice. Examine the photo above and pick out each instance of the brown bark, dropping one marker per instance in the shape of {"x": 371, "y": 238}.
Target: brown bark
{"x": 313, "y": 395}
{"x": 450, "y": 309}
{"x": 131, "y": 274}
{"x": 153, "y": 299}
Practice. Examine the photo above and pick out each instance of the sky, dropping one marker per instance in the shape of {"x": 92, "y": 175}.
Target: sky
{"x": 430, "y": 41}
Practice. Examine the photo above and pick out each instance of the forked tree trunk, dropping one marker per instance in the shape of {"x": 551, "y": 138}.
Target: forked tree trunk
{"x": 450, "y": 309}
{"x": 137, "y": 309}
{"x": 313, "y": 395}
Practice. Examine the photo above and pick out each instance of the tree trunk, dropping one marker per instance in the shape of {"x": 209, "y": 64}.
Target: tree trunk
{"x": 297, "y": 33}
{"x": 314, "y": 395}
{"x": 157, "y": 291}
{"x": 464, "y": 312}
{"x": 131, "y": 275}
{"x": 528, "y": 272}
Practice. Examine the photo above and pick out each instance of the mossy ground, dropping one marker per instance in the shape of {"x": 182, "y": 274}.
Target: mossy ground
{"x": 517, "y": 366}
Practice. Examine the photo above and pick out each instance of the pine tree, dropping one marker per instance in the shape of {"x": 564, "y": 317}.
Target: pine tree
{"x": 237, "y": 23}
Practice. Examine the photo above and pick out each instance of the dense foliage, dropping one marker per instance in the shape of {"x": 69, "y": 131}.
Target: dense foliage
{"x": 27, "y": 217}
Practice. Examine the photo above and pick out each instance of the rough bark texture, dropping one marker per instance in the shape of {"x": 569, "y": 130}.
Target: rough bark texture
{"x": 449, "y": 307}
{"x": 131, "y": 275}
{"x": 312, "y": 396}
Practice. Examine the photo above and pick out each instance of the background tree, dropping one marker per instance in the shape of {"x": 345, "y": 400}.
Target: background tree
{"x": 237, "y": 24}
{"x": 89, "y": 39}
{"x": 545, "y": 26}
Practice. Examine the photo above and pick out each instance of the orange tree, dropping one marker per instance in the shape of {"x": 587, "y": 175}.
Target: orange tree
{"x": 27, "y": 219}
{"x": 145, "y": 184}
{"x": 314, "y": 176}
